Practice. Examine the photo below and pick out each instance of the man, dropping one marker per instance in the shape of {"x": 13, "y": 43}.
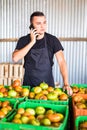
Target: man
{"x": 38, "y": 49}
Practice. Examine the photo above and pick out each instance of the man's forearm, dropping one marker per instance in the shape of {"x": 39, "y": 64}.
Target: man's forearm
{"x": 19, "y": 54}
{"x": 64, "y": 72}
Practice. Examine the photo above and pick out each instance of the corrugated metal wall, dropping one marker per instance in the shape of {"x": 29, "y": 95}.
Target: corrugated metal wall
{"x": 66, "y": 18}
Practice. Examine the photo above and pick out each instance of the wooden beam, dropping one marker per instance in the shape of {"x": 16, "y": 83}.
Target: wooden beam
{"x": 60, "y": 38}
{"x": 72, "y": 39}
{"x": 9, "y": 40}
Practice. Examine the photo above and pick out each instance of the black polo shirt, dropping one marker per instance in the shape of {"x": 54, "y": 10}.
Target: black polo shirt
{"x": 53, "y": 45}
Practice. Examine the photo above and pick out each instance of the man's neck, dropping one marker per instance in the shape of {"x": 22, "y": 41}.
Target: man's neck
{"x": 40, "y": 36}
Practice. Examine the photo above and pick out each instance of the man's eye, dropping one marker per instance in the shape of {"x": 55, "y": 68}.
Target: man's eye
{"x": 44, "y": 22}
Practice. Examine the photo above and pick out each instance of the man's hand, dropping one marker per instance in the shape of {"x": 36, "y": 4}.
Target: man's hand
{"x": 68, "y": 89}
{"x": 33, "y": 35}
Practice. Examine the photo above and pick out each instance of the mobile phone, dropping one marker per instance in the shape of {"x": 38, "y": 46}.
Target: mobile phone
{"x": 31, "y": 26}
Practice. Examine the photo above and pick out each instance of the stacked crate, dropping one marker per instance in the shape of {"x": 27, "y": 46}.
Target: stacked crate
{"x": 78, "y": 112}
{"x": 10, "y": 72}
{"x": 79, "y": 120}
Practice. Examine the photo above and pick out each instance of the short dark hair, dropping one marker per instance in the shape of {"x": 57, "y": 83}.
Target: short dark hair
{"x": 37, "y": 13}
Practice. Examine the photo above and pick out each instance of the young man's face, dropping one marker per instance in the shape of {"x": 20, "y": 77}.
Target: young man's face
{"x": 39, "y": 23}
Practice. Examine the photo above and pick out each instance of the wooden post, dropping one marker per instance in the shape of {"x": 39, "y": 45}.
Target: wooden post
{"x": 1, "y": 70}
{"x": 6, "y": 70}
{"x": 10, "y": 70}
{"x": 1, "y": 81}
{"x": 15, "y": 70}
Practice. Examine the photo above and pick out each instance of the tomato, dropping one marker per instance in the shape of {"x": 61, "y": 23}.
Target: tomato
{"x": 24, "y": 119}
{"x": 18, "y": 88}
{"x": 20, "y": 111}
{"x": 52, "y": 96}
{"x": 46, "y": 122}
{"x": 37, "y": 89}
{"x": 40, "y": 110}
{"x": 58, "y": 91}
{"x": 44, "y": 85}
{"x": 18, "y": 116}
{"x": 56, "y": 124}
{"x": 31, "y": 95}
{"x": 40, "y": 117}
{"x": 49, "y": 111}
{"x": 75, "y": 89}
{"x": 4, "y": 110}
{"x": 1, "y": 86}
{"x": 50, "y": 89}
{"x": 17, "y": 120}
{"x": 25, "y": 92}
{"x": 81, "y": 105}
{"x": 78, "y": 98}
{"x": 63, "y": 97}
{"x": 2, "y": 114}
{"x": 31, "y": 111}
{"x": 12, "y": 93}
{"x": 35, "y": 122}
{"x": 5, "y": 103}
{"x": 16, "y": 82}
{"x": 55, "y": 117}
{"x": 3, "y": 90}
{"x": 1, "y": 94}
{"x": 83, "y": 125}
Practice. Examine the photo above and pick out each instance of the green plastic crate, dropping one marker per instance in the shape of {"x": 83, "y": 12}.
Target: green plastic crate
{"x": 59, "y": 108}
{"x": 49, "y": 101}
{"x": 15, "y": 99}
{"x": 78, "y": 120}
{"x": 79, "y": 85}
{"x": 13, "y": 103}
{"x": 59, "y": 102}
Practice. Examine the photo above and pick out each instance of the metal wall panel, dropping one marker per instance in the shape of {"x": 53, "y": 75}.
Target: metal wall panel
{"x": 76, "y": 57}
{"x": 65, "y": 18}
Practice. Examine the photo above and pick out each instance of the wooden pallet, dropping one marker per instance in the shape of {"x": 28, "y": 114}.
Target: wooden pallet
{"x": 10, "y": 72}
